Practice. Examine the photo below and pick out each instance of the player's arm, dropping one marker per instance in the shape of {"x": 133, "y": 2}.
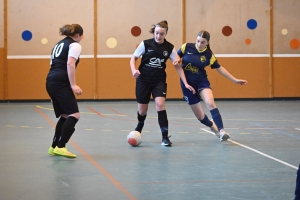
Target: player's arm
{"x": 135, "y": 72}
{"x": 72, "y": 75}
{"x": 140, "y": 50}
{"x": 73, "y": 55}
{"x": 225, "y": 73}
{"x": 174, "y": 58}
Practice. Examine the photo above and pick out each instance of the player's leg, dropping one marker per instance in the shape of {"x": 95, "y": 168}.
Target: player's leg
{"x": 143, "y": 94}
{"x": 202, "y": 117}
{"x": 57, "y": 133}
{"x": 194, "y": 102}
{"x": 141, "y": 116}
{"x": 69, "y": 105}
{"x": 159, "y": 93}
{"x": 297, "y": 190}
{"x": 208, "y": 98}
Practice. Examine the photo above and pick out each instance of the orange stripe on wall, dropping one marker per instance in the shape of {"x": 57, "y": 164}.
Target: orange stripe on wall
{"x": 27, "y": 77}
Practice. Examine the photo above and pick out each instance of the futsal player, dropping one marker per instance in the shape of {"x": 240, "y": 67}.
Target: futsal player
{"x": 195, "y": 57}
{"x": 151, "y": 77}
{"x": 61, "y": 86}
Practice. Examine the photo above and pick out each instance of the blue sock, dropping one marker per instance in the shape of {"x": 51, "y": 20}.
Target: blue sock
{"x": 217, "y": 118}
{"x": 206, "y": 121}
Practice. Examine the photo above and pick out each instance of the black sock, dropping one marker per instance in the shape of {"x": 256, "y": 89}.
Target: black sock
{"x": 67, "y": 131}
{"x": 163, "y": 122}
{"x": 206, "y": 121}
{"x": 217, "y": 118}
{"x": 140, "y": 124}
{"x": 57, "y": 133}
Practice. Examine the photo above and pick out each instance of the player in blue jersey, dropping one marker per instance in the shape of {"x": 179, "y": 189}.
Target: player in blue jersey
{"x": 297, "y": 190}
{"x": 195, "y": 57}
{"x": 60, "y": 85}
{"x": 151, "y": 76}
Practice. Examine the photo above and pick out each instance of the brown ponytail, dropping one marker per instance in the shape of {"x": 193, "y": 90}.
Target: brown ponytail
{"x": 71, "y": 30}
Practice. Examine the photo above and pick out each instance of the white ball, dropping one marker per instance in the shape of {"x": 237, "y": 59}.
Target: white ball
{"x": 134, "y": 138}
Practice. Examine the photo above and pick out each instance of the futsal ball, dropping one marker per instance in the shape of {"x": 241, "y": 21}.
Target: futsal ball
{"x": 134, "y": 138}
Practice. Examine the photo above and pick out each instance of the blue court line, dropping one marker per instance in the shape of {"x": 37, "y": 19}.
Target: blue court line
{"x": 277, "y": 131}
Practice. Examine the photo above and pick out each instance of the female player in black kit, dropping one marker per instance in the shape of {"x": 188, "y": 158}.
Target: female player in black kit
{"x": 60, "y": 85}
{"x": 195, "y": 57}
{"x": 151, "y": 76}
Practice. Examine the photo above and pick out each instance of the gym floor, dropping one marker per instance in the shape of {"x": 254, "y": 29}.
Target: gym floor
{"x": 259, "y": 161}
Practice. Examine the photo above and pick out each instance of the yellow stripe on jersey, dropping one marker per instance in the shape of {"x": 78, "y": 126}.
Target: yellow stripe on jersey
{"x": 183, "y": 48}
{"x": 212, "y": 59}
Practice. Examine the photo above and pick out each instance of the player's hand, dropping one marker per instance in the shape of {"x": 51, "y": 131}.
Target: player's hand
{"x": 136, "y": 73}
{"x": 190, "y": 88}
{"x": 177, "y": 61}
{"x": 241, "y": 81}
{"x": 77, "y": 90}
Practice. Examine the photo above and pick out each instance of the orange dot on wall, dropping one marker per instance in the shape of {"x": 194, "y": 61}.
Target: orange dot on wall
{"x": 248, "y": 41}
{"x": 294, "y": 44}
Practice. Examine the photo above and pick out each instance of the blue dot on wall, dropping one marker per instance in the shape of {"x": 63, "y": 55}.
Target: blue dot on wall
{"x": 26, "y": 35}
{"x": 252, "y": 24}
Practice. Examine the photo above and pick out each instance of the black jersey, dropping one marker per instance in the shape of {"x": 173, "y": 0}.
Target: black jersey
{"x": 153, "y": 63}
{"x": 59, "y": 57}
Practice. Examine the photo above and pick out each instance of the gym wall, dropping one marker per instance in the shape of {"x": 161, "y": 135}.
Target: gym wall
{"x": 256, "y": 40}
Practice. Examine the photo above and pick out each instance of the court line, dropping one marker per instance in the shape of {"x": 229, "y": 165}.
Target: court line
{"x": 87, "y": 156}
{"x": 109, "y": 108}
{"x": 280, "y": 132}
{"x": 297, "y": 129}
{"x": 256, "y": 151}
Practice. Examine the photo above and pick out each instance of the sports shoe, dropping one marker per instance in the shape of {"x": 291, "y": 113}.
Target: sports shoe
{"x": 63, "y": 152}
{"x": 166, "y": 141}
{"x": 50, "y": 151}
{"x": 214, "y": 129}
{"x": 223, "y": 135}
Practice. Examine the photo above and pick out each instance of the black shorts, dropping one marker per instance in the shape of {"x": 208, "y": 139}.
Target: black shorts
{"x": 63, "y": 99}
{"x": 144, "y": 89}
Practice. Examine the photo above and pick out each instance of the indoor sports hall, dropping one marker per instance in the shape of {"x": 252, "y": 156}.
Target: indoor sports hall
{"x": 256, "y": 40}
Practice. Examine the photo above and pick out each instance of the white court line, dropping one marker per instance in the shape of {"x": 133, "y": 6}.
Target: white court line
{"x": 256, "y": 151}
{"x": 297, "y": 129}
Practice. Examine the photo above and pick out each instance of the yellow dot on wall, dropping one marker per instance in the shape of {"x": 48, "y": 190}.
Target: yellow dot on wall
{"x": 284, "y": 32}
{"x": 111, "y": 42}
{"x": 44, "y": 41}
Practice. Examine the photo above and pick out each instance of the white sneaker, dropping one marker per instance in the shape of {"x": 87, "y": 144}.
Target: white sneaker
{"x": 214, "y": 129}
{"x": 223, "y": 135}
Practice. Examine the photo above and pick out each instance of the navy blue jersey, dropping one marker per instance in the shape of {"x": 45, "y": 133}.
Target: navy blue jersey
{"x": 59, "y": 58}
{"x": 154, "y": 58}
{"x": 194, "y": 63}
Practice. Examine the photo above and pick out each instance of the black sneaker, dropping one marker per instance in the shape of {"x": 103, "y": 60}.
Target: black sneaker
{"x": 166, "y": 141}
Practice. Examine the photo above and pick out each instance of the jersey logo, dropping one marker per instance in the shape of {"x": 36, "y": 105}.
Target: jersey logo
{"x": 156, "y": 62}
{"x": 165, "y": 53}
{"x": 203, "y": 58}
{"x": 186, "y": 99}
{"x": 191, "y": 68}
{"x": 149, "y": 50}
{"x": 189, "y": 53}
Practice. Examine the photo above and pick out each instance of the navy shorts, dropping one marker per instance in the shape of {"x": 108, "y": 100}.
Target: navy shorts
{"x": 191, "y": 98}
{"x": 144, "y": 89}
{"x": 63, "y": 99}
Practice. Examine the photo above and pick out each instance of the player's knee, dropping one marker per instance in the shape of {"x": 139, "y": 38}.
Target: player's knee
{"x": 160, "y": 107}
{"x": 210, "y": 105}
{"x": 76, "y": 115}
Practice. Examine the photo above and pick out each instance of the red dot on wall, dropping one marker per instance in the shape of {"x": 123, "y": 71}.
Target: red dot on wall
{"x": 227, "y": 30}
{"x": 136, "y": 31}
